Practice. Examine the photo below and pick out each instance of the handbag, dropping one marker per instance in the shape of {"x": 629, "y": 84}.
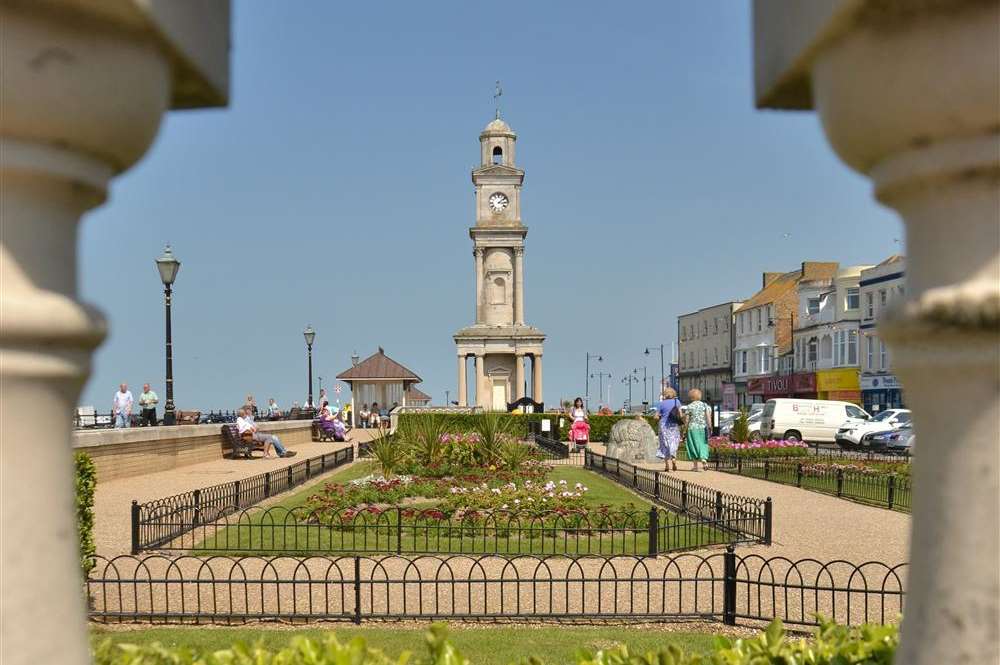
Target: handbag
{"x": 676, "y": 416}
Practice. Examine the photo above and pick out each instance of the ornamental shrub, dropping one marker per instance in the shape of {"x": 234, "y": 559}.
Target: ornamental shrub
{"x": 86, "y": 483}
{"x": 722, "y": 446}
{"x": 740, "y": 433}
{"x": 830, "y": 644}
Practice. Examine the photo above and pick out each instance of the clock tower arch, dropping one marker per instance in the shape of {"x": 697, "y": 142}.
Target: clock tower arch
{"x": 500, "y": 340}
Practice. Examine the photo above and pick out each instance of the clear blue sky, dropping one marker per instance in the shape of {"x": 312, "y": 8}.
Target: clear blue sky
{"x": 335, "y": 191}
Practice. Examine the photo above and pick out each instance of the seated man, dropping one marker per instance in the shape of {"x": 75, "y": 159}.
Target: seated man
{"x": 248, "y": 429}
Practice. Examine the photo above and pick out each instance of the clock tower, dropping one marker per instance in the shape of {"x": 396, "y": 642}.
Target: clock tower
{"x": 500, "y": 340}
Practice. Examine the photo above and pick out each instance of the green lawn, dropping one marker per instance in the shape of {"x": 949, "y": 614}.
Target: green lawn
{"x": 499, "y": 645}
{"x": 284, "y": 534}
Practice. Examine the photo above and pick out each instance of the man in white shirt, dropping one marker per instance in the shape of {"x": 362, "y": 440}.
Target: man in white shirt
{"x": 246, "y": 426}
{"x": 121, "y": 406}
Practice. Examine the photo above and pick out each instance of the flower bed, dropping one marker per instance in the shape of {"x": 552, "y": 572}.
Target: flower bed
{"x": 722, "y": 446}
{"x": 863, "y": 468}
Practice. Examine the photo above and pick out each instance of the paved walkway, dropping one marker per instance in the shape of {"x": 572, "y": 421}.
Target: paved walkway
{"x": 812, "y": 525}
{"x": 113, "y": 499}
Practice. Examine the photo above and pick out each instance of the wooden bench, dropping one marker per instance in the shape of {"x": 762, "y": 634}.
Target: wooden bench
{"x": 236, "y": 446}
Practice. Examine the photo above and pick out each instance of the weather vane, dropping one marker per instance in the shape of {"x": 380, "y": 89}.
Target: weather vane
{"x": 496, "y": 98}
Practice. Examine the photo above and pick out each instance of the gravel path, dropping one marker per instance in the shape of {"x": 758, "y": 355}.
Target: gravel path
{"x": 113, "y": 499}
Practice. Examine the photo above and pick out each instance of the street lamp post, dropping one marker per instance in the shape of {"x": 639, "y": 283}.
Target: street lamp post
{"x": 662, "y": 371}
{"x": 630, "y": 379}
{"x": 600, "y": 383}
{"x": 586, "y": 393}
{"x": 168, "y": 265}
{"x": 310, "y": 336}
{"x": 644, "y": 400}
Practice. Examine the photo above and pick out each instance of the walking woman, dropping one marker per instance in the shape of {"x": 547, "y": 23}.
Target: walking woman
{"x": 671, "y": 418}
{"x": 698, "y": 417}
{"x": 579, "y": 431}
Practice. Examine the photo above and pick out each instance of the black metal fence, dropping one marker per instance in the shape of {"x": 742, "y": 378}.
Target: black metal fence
{"x": 749, "y": 518}
{"x": 157, "y": 523}
{"x": 556, "y": 452}
{"x": 723, "y": 586}
{"x": 888, "y": 490}
{"x": 408, "y": 531}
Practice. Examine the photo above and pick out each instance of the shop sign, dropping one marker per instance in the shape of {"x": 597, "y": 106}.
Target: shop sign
{"x": 885, "y": 382}
{"x": 770, "y": 385}
{"x": 837, "y": 379}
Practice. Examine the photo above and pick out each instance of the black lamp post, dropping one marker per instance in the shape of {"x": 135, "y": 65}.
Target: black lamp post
{"x": 600, "y": 383}
{"x": 586, "y": 393}
{"x": 630, "y": 379}
{"x": 663, "y": 375}
{"x": 310, "y": 336}
{"x": 168, "y": 265}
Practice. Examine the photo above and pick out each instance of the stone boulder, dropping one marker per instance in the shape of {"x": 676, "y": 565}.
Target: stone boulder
{"x": 632, "y": 440}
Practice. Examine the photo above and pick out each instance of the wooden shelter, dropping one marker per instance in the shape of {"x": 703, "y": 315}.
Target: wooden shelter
{"x": 378, "y": 379}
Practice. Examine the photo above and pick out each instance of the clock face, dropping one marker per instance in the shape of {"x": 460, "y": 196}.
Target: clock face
{"x": 498, "y": 202}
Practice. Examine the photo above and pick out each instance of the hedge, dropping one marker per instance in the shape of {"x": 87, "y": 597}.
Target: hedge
{"x": 830, "y": 645}
{"x": 459, "y": 423}
{"x": 86, "y": 483}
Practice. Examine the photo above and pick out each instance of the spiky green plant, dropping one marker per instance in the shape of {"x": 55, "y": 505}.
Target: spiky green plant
{"x": 740, "y": 432}
{"x": 495, "y": 430}
{"x": 422, "y": 438}
{"x": 388, "y": 451}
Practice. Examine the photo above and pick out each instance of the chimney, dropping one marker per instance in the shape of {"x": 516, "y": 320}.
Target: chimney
{"x": 770, "y": 277}
{"x": 819, "y": 269}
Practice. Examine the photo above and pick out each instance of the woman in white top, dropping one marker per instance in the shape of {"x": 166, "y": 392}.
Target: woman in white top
{"x": 579, "y": 431}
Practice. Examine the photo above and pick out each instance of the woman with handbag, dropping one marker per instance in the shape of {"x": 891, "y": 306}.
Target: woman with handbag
{"x": 671, "y": 419}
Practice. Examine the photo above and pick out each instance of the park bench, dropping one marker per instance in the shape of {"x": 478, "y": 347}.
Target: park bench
{"x": 236, "y": 446}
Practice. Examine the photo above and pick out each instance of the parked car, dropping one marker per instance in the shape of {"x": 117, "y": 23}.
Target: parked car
{"x": 852, "y": 435}
{"x": 814, "y": 420}
{"x": 898, "y": 441}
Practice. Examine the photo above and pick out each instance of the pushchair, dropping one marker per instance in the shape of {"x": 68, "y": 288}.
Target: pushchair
{"x": 579, "y": 434}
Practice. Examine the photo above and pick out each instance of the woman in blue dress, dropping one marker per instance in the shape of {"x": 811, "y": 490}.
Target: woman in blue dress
{"x": 671, "y": 418}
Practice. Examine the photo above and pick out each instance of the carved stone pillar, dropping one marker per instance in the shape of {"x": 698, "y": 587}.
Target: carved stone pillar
{"x": 482, "y": 394}
{"x": 478, "y": 253}
{"x": 519, "y": 286}
{"x": 82, "y": 97}
{"x": 536, "y": 377}
{"x": 907, "y": 94}
{"x": 462, "y": 388}
{"x": 519, "y": 376}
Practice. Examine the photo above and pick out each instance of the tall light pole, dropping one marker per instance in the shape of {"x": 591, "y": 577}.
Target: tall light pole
{"x": 600, "y": 383}
{"x": 310, "y": 336}
{"x": 168, "y": 265}
{"x": 636, "y": 371}
{"x": 586, "y": 393}
{"x": 662, "y": 371}
{"x": 630, "y": 378}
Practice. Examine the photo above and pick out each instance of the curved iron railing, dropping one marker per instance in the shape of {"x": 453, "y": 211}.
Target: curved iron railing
{"x": 158, "y": 522}
{"x": 722, "y": 586}
{"x": 749, "y": 518}
{"x": 888, "y": 490}
{"x": 400, "y": 530}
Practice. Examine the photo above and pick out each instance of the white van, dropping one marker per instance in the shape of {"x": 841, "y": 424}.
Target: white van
{"x": 808, "y": 419}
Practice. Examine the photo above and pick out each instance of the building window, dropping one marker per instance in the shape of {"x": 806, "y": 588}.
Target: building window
{"x": 813, "y": 348}
{"x": 853, "y": 298}
{"x": 741, "y": 322}
{"x": 826, "y": 348}
{"x": 870, "y": 343}
{"x": 743, "y": 362}
{"x": 882, "y": 353}
{"x": 870, "y": 305}
{"x": 716, "y": 355}
{"x": 704, "y": 327}
{"x": 883, "y": 297}
{"x": 812, "y": 306}
{"x": 852, "y": 347}
{"x": 715, "y": 326}
{"x": 497, "y": 155}
{"x": 758, "y": 320}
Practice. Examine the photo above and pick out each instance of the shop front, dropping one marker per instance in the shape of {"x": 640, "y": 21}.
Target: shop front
{"x": 843, "y": 385}
{"x": 729, "y": 397}
{"x": 802, "y": 385}
{"x": 881, "y": 392}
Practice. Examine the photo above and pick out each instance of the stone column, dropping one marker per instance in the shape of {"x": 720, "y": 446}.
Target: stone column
{"x": 478, "y": 253}
{"x": 519, "y": 376}
{"x": 462, "y": 388}
{"x": 536, "y": 377}
{"x": 82, "y": 97}
{"x": 907, "y": 95}
{"x": 481, "y": 397}
{"x": 519, "y": 285}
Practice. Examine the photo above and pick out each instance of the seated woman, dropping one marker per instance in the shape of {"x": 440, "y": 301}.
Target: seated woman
{"x": 339, "y": 429}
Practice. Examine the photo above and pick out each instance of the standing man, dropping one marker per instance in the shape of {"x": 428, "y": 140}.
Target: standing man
{"x": 121, "y": 406}
{"x": 273, "y": 411}
{"x": 147, "y": 402}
